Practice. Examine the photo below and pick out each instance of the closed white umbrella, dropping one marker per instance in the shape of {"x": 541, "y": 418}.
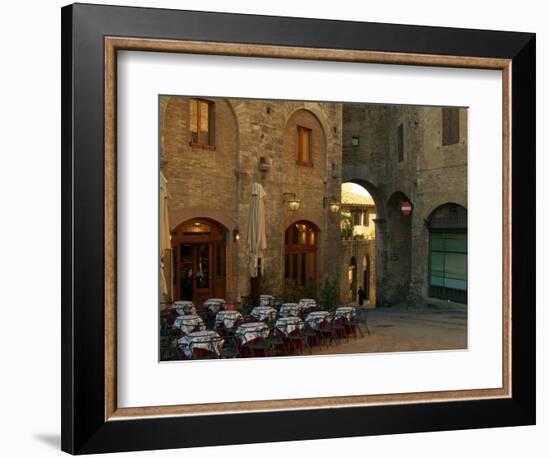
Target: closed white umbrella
{"x": 165, "y": 244}
{"x": 255, "y": 236}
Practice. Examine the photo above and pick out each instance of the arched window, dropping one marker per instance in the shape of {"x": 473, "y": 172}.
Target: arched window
{"x": 301, "y": 253}
{"x": 448, "y": 271}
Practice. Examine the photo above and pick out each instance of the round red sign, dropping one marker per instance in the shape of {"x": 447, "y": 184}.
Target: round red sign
{"x": 406, "y": 207}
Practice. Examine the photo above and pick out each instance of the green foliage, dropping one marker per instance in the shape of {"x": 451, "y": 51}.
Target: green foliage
{"x": 346, "y": 224}
{"x": 292, "y": 293}
{"x": 329, "y": 294}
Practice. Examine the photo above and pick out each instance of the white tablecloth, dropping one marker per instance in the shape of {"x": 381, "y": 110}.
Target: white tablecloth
{"x": 347, "y": 312}
{"x": 306, "y": 304}
{"x": 207, "y": 340}
{"x": 287, "y": 325}
{"x": 247, "y": 332}
{"x": 188, "y": 323}
{"x": 289, "y": 309}
{"x": 214, "y": 304}
{"x": 184, "y": 307}
{"x": 264, "y": 313}
{"x": 227, "y": 318}
{"x": 314, "y": 319}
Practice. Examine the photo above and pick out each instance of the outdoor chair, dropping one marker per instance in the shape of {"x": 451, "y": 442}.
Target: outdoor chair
{"x": 339, "y": 328}
{"x": 200, "y": 353}
{"x": 298, "y": 340}
{"x": 277, "y": 342}
{"x": 168, "y": 351}
{"x": 354, "y": 326}
{"x": 207, "y": 318}
{"x": 327, "y": 333}
{"x": 259, "y": 346}
{"x": 312, "y": 336}
{"x": 362, "y": 319}
{"x": 230, "y": 348}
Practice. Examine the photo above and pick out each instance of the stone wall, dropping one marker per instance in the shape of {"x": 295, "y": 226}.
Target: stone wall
{"x": 216, "y": 183}
{"x": 429, "y": 175}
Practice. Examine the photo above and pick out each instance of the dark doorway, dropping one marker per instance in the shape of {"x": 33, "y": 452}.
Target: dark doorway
{"x": 199, "y": 255}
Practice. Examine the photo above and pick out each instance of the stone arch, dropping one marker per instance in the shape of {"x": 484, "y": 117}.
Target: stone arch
{"x": 378, "y": 271}
{"x": 372, "y": 189}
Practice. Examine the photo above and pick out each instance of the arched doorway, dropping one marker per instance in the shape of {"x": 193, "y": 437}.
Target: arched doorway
{"x": 352, "y": 278}
{"x": 301, "y": 253}
{"x": 199, "y": 260}
{"x": 448, "y": 266}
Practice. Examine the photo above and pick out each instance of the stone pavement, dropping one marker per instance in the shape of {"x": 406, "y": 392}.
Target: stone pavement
{"x": 405, "y": 328}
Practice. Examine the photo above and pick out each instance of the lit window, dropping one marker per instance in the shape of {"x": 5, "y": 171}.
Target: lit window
{"x": 201, "y": 123}
{"x": 304, "y": 146}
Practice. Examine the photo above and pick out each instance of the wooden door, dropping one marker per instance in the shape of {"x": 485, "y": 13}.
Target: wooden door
{"x": 202, "y": 272}
{"x": 199, "y": 257}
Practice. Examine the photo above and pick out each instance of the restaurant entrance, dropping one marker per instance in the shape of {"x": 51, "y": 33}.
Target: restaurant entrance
{"x": 199, "y": 260}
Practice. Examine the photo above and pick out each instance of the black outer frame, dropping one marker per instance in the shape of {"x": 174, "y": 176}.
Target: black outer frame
{"x": 84, "y": 429}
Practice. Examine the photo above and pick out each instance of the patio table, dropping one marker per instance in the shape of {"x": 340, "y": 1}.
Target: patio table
{"x": 307, "y": 304}
{"x": 264, "y": 313}
{"x": 315, "y": 320}
{"x": 214, "y": 305}
{"x": 227, "y": 319}
{"x": 248, "y": 332}
{"x": 345, "y": 312}
{"x": 289, "y": 309}
{"x": 288, "y": 325}
{"x": 189, "y": 323}
{"x": 201, "y": 342}
{"x": 184, "y": 307}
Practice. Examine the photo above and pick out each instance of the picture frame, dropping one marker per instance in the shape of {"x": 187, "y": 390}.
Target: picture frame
{"x": 91, "y": 37}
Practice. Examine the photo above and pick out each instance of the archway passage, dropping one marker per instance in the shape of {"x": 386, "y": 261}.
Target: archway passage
{"x": 362, "y": 238}
{"x": 448, "y": 267}
{"x": 301, "y": 253}
{"x": 199, "y": 260}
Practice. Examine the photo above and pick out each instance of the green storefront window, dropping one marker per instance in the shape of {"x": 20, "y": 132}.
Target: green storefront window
{"x": 449, "y": 265}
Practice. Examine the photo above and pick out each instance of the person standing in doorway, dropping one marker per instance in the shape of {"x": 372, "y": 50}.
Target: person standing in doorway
{"x": 362, "y": 295}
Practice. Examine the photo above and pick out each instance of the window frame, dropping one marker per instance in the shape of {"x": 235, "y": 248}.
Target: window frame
{"x": 211, "y": 124}
{"x": 299, "y": 152}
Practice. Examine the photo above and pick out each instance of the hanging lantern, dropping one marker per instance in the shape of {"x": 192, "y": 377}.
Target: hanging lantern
{"x": 294, "y": 203}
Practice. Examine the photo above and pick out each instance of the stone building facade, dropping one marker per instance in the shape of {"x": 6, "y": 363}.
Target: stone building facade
{"x": 417, "y": 155}
{"x": 212, "y": 151}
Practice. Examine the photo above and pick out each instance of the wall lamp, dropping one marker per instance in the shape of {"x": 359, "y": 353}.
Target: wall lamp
{"x": 293, "y": 201}
{"x": 332, "y": 203}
